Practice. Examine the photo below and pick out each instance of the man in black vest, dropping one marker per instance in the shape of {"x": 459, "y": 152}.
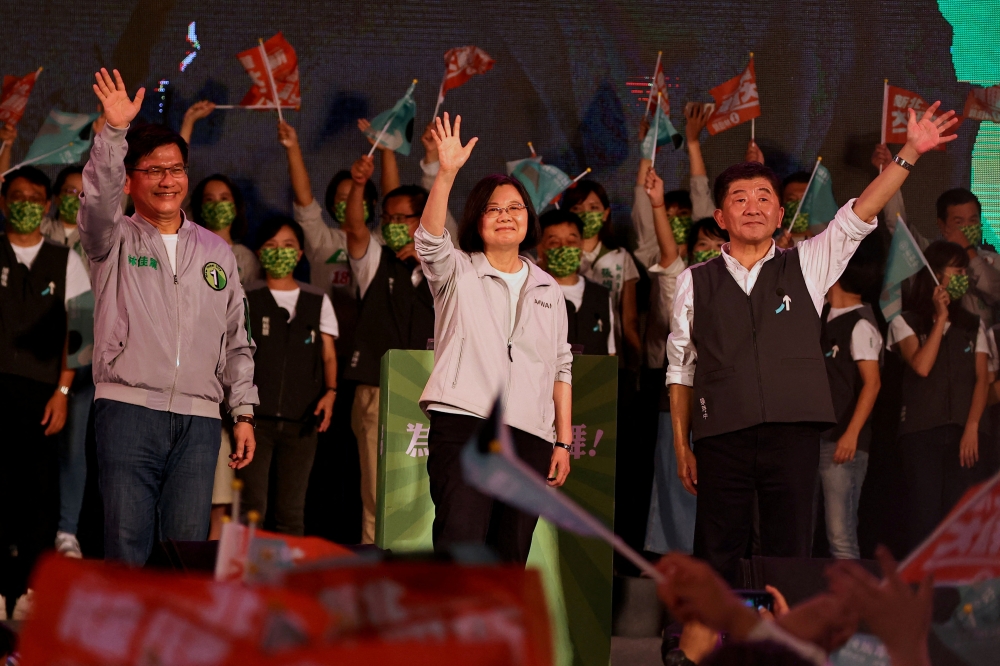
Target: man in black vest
{"x": 37, "y": 279}
{"x": 745, "y": 367}
{"x": 396, "y": 310}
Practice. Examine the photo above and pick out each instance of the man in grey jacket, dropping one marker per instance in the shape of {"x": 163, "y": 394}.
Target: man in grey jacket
{"x": 172, "y": 332}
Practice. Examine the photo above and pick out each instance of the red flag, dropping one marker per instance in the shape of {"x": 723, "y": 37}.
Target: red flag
{"x": 461, "y": 63}
{"x": 736, "y": 101}
{"x": 658, "y": 87}
{"x": 965, "y": 547}
{"x": 14, "y": 97}
{"x": 983, "y": 104}
{"x": 273, "y": 552}
{"x": 284, "y": 69}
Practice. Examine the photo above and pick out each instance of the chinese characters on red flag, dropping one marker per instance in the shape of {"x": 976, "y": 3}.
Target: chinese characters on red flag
{"x": 14, "y": 97}
{"x": 899, "y": 100}
{"x": 284, "y": 69}
{"x": 983, "y": 104}
{"x": 736, "y": 101}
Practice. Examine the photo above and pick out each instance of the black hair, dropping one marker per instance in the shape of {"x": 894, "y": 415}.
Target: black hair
{"x": 744, "y": 171}
{"x": 239, "y": 226}
{"x": 578, "y": 192}
{"x": 329, "y": 200}
{"x": 756, "y": 653}
{"x": 31, "y": 174}
{"x": 144, "y": 139}
{"x": 64, "y": 174}
{"x": 919, "y": 298}
{"x": 797, "y": 177}
{"x": 863, "y": 273}
{"x": 710, "y": 227}
{"x": 469, "y": 238}
{"x": 679, "y": 198}
{"x": 956, "y": 197}
{"x": 416, "y": 194}
{"x": 560, "y": 216}
{"x": 270, "y": 227}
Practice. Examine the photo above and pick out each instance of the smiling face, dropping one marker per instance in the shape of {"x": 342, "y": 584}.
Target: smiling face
{"x": 750, "y": 211}
{"x": 508, "y": 229}
{"x": 158, "y": 198}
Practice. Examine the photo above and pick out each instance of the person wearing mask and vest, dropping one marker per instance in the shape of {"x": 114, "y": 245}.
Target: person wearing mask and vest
{"x": 295, "y": 370}
{"x": 217, "y": 204}
{"x": 945, "y": 386}
{"x": 172, "y": 331}
{"x": 500, "y": 333}
{"x": 588, "y": 304}
{"x": 745, "y": 367}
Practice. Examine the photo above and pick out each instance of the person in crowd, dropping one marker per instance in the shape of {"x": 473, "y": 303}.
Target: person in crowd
{"x": 745, "y": 367}
{"x": 945, "y": 386}
{"x": 60, "y": 225}
{"x": 37, "y": 279}
{"x": 295, "y": 370}
{"x": 852, "y": 346}
{"x": 173, "y": 336}
{"x": 218, "y": 205}
{"x": 793, "y": 188}
{"x": 588, "y": 304}
{"x": 501, "y": 326}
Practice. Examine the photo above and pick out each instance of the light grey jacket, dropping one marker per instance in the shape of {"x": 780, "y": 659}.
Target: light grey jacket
{"x": 474, "y": 359}
{"x": 178, "y": 343}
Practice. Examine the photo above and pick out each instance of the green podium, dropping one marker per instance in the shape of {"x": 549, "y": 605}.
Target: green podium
{"x": 577, "y": 571}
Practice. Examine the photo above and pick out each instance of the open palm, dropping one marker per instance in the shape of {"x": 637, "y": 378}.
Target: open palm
{"x": 452, "y": 155}
{"x": 928, "y": 132}
{"x": 119, "y": 110}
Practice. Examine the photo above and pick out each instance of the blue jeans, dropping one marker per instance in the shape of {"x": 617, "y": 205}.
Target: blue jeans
{"x": 671, "y": 507}
{"x": 73, "y": 450}
{"x": 841, "y": 485}
{"x": 156, "y": 473}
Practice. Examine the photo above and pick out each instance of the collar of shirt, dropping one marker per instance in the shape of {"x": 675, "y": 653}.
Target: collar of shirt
{"x": 745, "y": 278}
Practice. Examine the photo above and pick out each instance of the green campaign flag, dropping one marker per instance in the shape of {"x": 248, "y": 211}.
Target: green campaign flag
{"x": 905, "y": 261}
{"x": 662, "y": 130}
{"x": 63, "y": 138}
{"x": 819, "y": 206}
{"x": 397, "y": 124}
{"x": 544, "y": 182}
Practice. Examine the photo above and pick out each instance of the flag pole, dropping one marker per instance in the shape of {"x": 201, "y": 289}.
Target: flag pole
{"x": 251, "y": 108}
{"x": 899, "y": 220}
{"x": 36, "y": 159}
{"x": 656, "y": 131}
{"x": 270, "y": 77}
{"x": 388, "y": 121}
{"x": 753, "y": 121}
{"x": 437, "y": 106}
{"x": 885, "y": 111}
{"x": 571, "y": 184}
{"x": 38, "y": 72}
{"x": 532, "y": 149}
{"x": 652, "y": 85}
{"x": 798, "y": 209}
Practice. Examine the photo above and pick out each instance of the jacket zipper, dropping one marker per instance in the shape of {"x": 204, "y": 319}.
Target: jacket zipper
{"x": 512, "y": 328}
{"x": 177, "y": 359}
{"x": 458, "y": 369}
{"x": 284, "y": 367}
{"x": 756, "y": 360}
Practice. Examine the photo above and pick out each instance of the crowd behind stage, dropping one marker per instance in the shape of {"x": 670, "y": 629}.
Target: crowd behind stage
{"x": 281, "y": 353}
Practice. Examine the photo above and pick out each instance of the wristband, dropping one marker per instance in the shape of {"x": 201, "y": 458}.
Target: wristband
{"x": 561, "y": 445}
{"x": 64, "y": 390}
{"x": 246, "y": 418}
{"x": 331, "y": 388}
{"x": 903, "y": 163}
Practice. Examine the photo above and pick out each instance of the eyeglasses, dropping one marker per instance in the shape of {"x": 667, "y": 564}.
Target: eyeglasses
{"x": 493, "y": 212}
{"x": 398, "y": 218}
{"x": 157, "y": 173}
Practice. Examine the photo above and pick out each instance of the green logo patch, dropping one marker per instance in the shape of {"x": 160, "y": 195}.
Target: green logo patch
{"x": 214, "y": 276}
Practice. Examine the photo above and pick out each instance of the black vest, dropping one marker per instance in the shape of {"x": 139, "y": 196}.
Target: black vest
{"x": 945, "y": 395}
{"x": 589, "y": 326}
{"x": 842, "y": 371}
{"x": 288, "y": 363}
{"x": 759, "y": 358}
{"x": 33, "y": 312}
{"x": 393, "y": 315}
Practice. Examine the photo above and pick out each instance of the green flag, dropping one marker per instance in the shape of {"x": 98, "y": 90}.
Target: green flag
{"x": 819, "y": 206}
{"x": 544, "y": 182}
{"x": 63, "y": 139}
{"x": 662, "y": 130}
{"x": 396, "y": 124}
{"x": 905, "y": 260}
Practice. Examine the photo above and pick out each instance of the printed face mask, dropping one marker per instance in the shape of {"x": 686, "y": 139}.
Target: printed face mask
{"x": 801, "y": 224}
{"x": 340, "y": 211}
{"x": 218, "y": 214}
{"x": 69, "y": 206}
{"x": 700, "y": 256}
{"x": 957, "y": 286}
{"x": 279, "y": 261}
{"x": 25, "y": 216}
{"x": 563, "y": 261}
{"x": 973, "y": 233}
{"x": 592, "y": 220}
{"x": 396, "y": 235}
{"x": 680, "y": 226}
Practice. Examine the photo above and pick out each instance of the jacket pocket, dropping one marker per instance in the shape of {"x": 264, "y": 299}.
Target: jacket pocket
{"x": 220, "y": 366}
{"x": 117, "y": 343}
{"x": 458, "y": 364}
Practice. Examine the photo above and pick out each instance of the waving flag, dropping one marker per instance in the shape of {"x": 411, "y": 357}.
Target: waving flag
{"x": 983, "y": 104}
{"x": 393, "y": 128}
{"x": 657, "y": 87}
{"x": 461, "y": 64}
{"x": 817, "y": 206}
{"x": 63, "y": 139}
{"x": 14, "y": 96}
{"x": 284, "y": 71}
{"x": 736, "y": 101}
{"x": 544, "y": 182}
{"x": 895, "y": 113}
{"x": 905, "y": 261}
{"x": 662, "y": 131}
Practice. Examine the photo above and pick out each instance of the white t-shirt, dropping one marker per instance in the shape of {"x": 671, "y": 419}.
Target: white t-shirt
{"x": 574, "y": 294}
{"x": 900, "y": 330}
{"x": 170, "y": 243}
{"x": 866, "y": 341}
{"x": 364, "y": 269}
{"x": 514, "y": 283}
{"x": 77, "y": 281}
{"x": 327, "y": 318}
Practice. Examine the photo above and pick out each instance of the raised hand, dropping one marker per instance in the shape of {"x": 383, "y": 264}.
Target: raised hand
{"x": 447, "y": 138}
{"x": 654, "y": 188}
{"x": 928, "y": 132}
{"x": 881, "y": 156}
{"x": 7, "y": 135}
{"x": 119, "y": 110}
{"x": 753, "y": 153}
{"x": 287, "y": 136}
{"x": 199, "y": 110}
{"x": 362, "y": 169}
{"x": 363, "y": 125}
{"x": 430, "y": 148}
{"x": 696, "y": 115}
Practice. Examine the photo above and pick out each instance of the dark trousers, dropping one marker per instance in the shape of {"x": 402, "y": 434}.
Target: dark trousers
{"x": 777, "y": 460}
{"x": 282, "y": 461}
{"x": 29, "y": 477}
{"x": 462, "y": 514}
{"x": 935, "y": 480}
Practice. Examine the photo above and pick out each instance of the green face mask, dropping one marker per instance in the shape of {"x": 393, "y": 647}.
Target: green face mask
{"x": 592, "y": 220}
{"x": 69, "y": 206}
{"x": 396, "y": 235}
{"x": 801, "y": 224}
{"x": 680, "y": 226}
{"x": 957, "y": 286}
{"x": 701, "y": 256}
{"x": 973, "y": 233}
{"x": 218, "y": 214}
{"x": 25, "y": 216}
{"x": 279, "y": 261}
{"x": 562, "y": 261}
{"x": 340, "y": 212}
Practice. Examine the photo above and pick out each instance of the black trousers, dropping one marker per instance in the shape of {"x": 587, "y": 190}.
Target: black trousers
{"x": 935, "y": 479}
{"x": 462, "y": 514}
{"x": 778, "y": 461}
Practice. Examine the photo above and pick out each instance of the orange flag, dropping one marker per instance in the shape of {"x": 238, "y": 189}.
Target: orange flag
{"x": 736, "y": 101}
{"x": 284, "y": 69}
{"x": 983, "y": 104}
{"x": 14, "y": 96}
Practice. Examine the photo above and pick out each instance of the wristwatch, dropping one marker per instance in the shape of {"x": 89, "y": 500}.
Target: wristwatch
{"x": 64, "y": 390}
{"x": 246, "y": 418}
{"x": 903, "y": 163}
{"x": 561, "y": 445}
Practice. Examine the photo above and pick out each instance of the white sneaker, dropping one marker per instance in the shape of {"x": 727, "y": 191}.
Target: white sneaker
{"x": 67, "y": 545}
{"x": 22, "y": 609}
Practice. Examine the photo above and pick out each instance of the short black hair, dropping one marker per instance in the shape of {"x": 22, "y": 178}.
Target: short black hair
{"x": 329, "y": 200}
{"x": 469, "y": 238}
{"x": 679, "y": 198}
{"x": 560, "y": 216}
{"x": 416, "y": 194}
{"x": 744, "y": 171}
{"x": 64, "y": 174}
{"x": 583, "y": 189}
{"x": 797, "y": 177}
{"x": 31, "y": 174}
{"x": 864, "y": 271}
{"x": 270, "y": 227}
{"x": 919, "y": 299}
{"x": 239, "y": 227}
{"x": 710, "y": 227}
{"x": 144, "y": 139}
{"x": 956, "y": 197}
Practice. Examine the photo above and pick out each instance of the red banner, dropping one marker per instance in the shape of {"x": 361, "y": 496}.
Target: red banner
{"x": 983, "y": 104}
{"x": 461, "y": 64}
{"x": 284, "y": 70}
{"x": 269, "y": 555}
{"x": 659, "y": 87}
{"x": 14, "y": 97}
{"x": 736, "y": 101}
